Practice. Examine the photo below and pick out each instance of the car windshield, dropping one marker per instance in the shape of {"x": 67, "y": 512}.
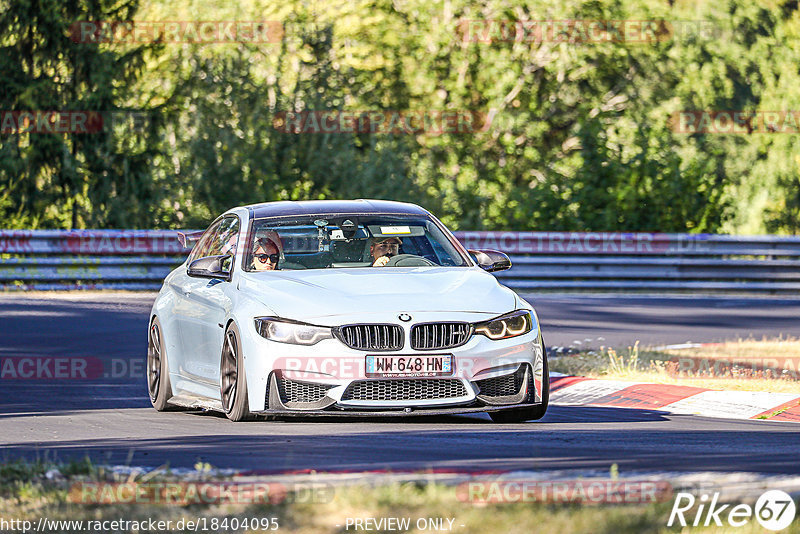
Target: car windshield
{"x": 340, "y": 241}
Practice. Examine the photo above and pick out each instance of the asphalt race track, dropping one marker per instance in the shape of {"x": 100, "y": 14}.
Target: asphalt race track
{"x": 110, "y": 419}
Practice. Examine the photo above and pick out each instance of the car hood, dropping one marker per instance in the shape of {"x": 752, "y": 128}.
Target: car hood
{"x": 307, "y": 295}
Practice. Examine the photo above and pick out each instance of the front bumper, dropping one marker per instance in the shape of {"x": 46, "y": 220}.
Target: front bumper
{"x": 486, "y": 374}
{"x": 417, "y": 396}
{"x": 339, "y": 370}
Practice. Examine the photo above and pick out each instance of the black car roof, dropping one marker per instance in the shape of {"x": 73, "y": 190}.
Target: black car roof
{"x": 333, "y": 207}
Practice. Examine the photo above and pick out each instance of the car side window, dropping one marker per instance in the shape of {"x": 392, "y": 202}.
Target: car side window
{"x": 200, "y": 250}
{"x": 224, "y": 241}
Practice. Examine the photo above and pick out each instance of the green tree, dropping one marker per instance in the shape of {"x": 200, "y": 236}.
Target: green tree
{"x": 71, "y": 180}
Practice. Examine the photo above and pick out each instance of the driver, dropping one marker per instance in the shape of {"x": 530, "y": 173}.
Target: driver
{"x": 266, "y": 253}
{"x": 383, "y": 248}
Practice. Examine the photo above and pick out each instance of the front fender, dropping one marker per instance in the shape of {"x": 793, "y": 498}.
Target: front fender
{"x": 255, "y": 365}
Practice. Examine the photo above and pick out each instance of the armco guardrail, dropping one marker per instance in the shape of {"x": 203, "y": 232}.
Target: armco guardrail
{"x": 88, "y": 259}
{"x": 140, "y": 259}
{"x": 642, "y": 261}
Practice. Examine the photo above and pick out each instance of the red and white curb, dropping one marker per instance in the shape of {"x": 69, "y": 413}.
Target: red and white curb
{"x": 580, "y": 391}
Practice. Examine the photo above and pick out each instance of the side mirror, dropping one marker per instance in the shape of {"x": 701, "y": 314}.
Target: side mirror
{"x": 211, "y": 267}
{"x": 491, "y": 260}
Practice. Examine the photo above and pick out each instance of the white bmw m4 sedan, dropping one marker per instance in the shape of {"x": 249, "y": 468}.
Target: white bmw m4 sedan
{"x": 360, "y": 307}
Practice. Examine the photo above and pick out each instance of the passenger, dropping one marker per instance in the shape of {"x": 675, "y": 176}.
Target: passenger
{"x": 266, "y": 253}
{"x": 383, "y": 248}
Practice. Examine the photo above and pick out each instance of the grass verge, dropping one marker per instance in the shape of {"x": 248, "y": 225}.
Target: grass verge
{"x": 29, "y": 491}
{"x": 744, "y": 365}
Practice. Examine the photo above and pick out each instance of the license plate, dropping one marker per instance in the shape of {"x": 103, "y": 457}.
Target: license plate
{"x": 402, "y": 366}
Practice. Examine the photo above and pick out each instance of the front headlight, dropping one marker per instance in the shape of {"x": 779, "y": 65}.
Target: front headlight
{"x": 510, "y": 325}
{"x": 284, "y": 331}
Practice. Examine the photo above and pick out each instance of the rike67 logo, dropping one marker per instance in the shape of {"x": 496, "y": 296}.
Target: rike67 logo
{"x": 774, "y": 510}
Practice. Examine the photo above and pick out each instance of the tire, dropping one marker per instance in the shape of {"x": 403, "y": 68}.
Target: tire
{"x": 233, "y": 383}
{"x": 157, "y": 375}
{"x": 520, "y": 415}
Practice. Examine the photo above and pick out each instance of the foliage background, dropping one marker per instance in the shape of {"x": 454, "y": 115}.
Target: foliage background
{"x": 581, "y": 140}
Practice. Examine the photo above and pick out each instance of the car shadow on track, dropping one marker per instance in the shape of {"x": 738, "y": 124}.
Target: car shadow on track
{"x": 555, "y": 414}
{"x": 729, "y": 447}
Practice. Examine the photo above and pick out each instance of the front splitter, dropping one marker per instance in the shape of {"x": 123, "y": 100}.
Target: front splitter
{"x": 416, "y": 412}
